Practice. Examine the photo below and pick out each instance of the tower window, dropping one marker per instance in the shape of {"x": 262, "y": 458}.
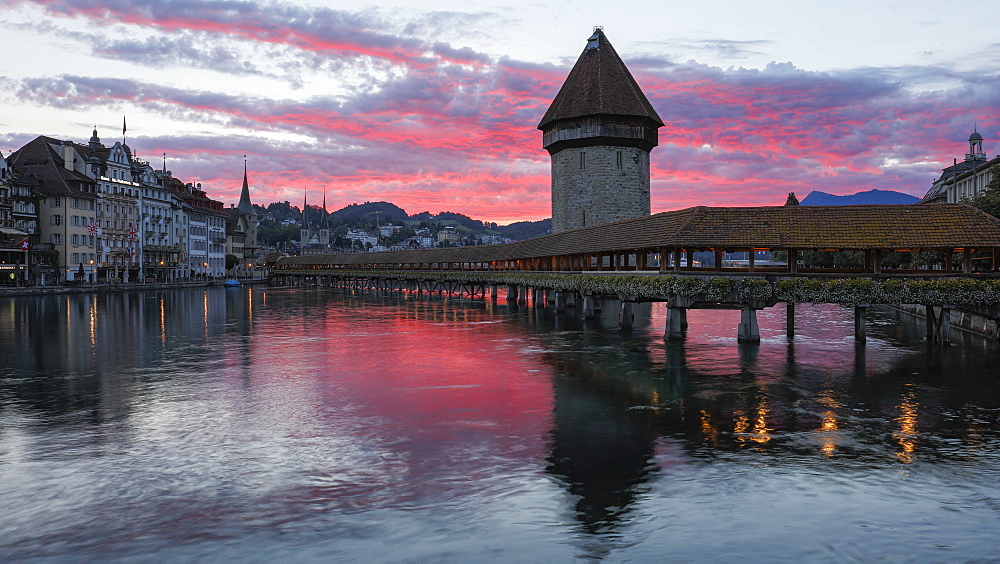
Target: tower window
{"x": 583, "y": 160}
{"x": 619, "y": 160}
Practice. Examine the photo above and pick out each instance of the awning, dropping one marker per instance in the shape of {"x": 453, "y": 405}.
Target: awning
{"x": 10, "y": 231}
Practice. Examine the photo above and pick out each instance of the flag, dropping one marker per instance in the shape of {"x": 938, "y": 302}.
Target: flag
{"x": 123, "y": 125}
{"x": 93, "y": 228}
{"x": 132, "y": 233}
{"x": 25, "y": 244}
{"x": 131, "y": 252}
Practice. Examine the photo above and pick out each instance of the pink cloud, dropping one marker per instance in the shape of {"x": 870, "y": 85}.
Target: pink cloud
{"x": 456, "y": 130}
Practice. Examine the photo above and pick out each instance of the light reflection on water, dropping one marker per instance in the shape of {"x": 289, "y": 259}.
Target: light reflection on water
{"x": 269, "y": 423}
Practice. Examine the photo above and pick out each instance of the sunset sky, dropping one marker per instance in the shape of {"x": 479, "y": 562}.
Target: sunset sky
{"x": 434, "y": 105}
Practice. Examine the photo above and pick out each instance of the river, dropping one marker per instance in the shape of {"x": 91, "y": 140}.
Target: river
{"x": 264, "y": 424}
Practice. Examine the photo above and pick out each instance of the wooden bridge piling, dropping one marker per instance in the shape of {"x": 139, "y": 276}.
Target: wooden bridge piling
{"x": 790, "y": 320}
{"x": 676, "y": 328}
{"x": 748, "y": 330}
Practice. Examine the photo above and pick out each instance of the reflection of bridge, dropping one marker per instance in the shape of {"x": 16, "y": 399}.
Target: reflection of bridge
{"x": 961, "y": 240}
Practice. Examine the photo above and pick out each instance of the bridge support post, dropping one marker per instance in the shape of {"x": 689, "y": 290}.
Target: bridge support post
{"x": 943, "y": 329}
{"x": 790, "y": 320}
{"x": 571, "y": 299}
{"x": 493, "y": 293}
{"x": 929, "y": 315}
{"x": 626, "y": 317}
{"x": 511, "y": 295}
{"x": 861, "y": 322}
{"x": 749, "y": 331}
{"x": 560, "y": 301}
{"x": 588, "y": 306}
{"x": 539, "y": 297}
{"x": 676, "y": 324}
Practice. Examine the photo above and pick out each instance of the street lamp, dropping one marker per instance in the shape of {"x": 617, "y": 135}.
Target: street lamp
{"x": 206, "y": 271}
{"x": 92, "y": 273}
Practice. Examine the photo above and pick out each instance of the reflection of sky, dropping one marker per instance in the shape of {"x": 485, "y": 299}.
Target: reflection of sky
{"x": 306, "y": 423}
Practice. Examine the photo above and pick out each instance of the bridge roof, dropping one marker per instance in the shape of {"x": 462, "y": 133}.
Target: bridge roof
{"x": 886, "y": 227}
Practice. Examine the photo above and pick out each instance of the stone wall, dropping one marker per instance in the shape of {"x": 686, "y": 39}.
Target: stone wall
{"x": 598, "y": 184}
{"x": 979, "y": 322}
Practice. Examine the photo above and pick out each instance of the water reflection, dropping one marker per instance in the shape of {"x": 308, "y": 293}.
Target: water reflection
{"x": 221, "y": 414}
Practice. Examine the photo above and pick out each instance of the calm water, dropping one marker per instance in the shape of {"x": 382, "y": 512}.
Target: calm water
{"x": 263, "y": 424}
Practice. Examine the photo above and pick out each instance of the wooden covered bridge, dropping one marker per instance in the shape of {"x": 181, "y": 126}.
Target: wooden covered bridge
{"x": 953, "y": 241}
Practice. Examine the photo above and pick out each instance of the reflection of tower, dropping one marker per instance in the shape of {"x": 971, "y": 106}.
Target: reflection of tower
{"x": 599, "y": 131}
{"x": 601, "y": 449}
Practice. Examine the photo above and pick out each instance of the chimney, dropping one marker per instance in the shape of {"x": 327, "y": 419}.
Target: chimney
{"x": 68, "y": 156}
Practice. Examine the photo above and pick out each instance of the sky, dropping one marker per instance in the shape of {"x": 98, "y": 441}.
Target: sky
{"x": 434, "y": 105}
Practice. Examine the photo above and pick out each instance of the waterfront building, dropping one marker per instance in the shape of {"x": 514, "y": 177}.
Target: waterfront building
{"x": 119, "y": 244}
{"x": 599, "y": 132}
{"x": 163, "y": 227}
{"x": 68, "y": 201}
{"x": 18, "y": 222}
{"x": 206, "y": 228}
{"x": 963, "y": 179}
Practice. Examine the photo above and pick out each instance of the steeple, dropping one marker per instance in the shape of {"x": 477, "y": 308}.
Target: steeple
{"x": 245, "y": 207}
{"x": 325, "y": 224}
{"x": 305, "y": 206}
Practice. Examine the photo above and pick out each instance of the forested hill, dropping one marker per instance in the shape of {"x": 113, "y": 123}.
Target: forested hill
{"x": 280, "y": 221}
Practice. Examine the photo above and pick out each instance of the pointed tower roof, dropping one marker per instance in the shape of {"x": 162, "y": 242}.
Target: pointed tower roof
{"x": 325, "y": 224}
{"x": 599, "y": 84}
{"x": 305, "y": 206}
{"x": 245, "y": 207}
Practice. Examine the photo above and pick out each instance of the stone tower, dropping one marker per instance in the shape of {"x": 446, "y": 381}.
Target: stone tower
{"x": 599, "y": 131}
{"x": 250, "y": 215}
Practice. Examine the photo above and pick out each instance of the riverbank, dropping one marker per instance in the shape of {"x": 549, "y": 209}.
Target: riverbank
{"x": 118, "y": 287}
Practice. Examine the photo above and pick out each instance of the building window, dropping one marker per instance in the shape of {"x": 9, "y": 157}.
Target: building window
{"x": 55, "y": 220}
{"x": 76, "y": 258}
{"x": 619, "y": 160}
{"x": 583, "y": 160}
{"x": 56, "y": 202}
{"x": 75, "y": 239}
{"x": 57, "y": 238}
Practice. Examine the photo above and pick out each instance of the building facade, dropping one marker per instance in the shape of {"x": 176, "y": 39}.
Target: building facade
{"x": 599, "y": 132}
{"x": 68, "y": 199}
{"x": 964, "y": 179}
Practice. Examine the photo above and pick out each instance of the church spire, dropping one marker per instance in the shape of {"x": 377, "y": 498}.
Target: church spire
{"x": 305, "y": 206}
{"x": 245, "y": 207}
{"x": 325, "y": 224}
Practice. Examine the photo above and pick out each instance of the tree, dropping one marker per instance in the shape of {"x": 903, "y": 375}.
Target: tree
{"x": 231, "y": 261}
{"x": 791, "y": 200}
{"x": 988, "y": 199}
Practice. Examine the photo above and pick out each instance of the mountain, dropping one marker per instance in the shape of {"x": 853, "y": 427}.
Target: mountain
{"x": 817, "y": 198}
